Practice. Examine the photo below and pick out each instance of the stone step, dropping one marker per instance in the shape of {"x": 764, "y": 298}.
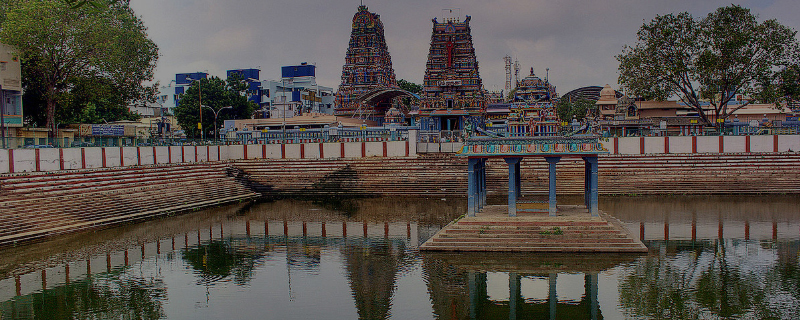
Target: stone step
{"x": 534, "y": 239}
{"x": 534, "y": 248}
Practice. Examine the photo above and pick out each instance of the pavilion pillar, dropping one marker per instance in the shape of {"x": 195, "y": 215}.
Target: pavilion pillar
{"x": 514, "y": 296}
{"x": 513, "y": 187}
{"x": 552, "y": 298}
{"x": 586, "y": 178}
{"x": 472, "y": 185}
{"x": 473, "y": 293}
{"x": 590, "y": 191}
{"x": 551, "y": 161}
{"x": 481, "y": 183}
{"x": 485, "y": 190}
{"x": 519, "y": 179}
{"x": 590, "y": 292}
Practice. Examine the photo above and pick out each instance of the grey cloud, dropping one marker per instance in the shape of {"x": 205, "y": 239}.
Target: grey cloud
{"x": 576, "y": 39}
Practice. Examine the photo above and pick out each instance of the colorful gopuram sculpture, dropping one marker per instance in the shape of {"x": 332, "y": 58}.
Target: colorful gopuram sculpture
{"x": 453, "y": 91}
{"x": 368, "y": 66}
{"x": 533, "y": 109}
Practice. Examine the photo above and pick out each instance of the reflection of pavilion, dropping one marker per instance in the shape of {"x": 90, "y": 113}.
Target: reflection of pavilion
{"x": 458, "y": 285}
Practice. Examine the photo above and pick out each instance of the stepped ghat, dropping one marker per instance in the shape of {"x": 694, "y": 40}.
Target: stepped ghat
{"x": 522, "y": 226}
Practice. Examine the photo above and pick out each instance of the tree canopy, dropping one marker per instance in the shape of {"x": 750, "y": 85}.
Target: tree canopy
{"x": 577, "y": 109}
{"x": 409, "y": 86}
{"x": 216, "y": 94}
{"x": 709, "y": 61}
{"x": 76, "y": 57}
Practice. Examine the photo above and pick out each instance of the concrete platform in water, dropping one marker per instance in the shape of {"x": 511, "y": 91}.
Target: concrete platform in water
{"x": 572, "y": 230}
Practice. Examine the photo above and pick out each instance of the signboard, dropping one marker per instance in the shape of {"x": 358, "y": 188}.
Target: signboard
{"x": 113, "y": 130}
{"x": 554, "y": 148}
{"x": 449, "y": 83}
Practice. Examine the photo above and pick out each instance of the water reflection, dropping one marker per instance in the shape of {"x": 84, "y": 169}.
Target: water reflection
{"x": 714, "y": 279}
{"x": 459, "y": 285}
{"x": 708, "y": 259}
{"x": 105, "y": 296}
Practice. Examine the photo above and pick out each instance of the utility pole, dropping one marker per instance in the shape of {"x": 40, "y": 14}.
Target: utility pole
{"x": 2, "y": 115}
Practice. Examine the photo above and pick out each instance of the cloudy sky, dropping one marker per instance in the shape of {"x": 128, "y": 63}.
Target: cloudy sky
{"x": 576, "y": 39}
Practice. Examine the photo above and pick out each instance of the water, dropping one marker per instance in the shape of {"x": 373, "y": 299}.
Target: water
{"x": 710, "y": 257}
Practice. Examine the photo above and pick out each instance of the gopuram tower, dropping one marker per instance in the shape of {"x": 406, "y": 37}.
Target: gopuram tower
{"x": 453, "y": 90}
{"x": 367, "y": 67}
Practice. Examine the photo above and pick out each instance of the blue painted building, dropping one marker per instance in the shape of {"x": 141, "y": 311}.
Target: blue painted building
{"x": 11, "y": 89}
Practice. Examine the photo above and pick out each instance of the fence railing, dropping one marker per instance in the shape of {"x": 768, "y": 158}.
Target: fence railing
{"x": 337, "y": 134}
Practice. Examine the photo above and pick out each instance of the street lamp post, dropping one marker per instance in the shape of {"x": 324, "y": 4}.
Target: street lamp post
{"x": 2, "y": 116}
{"x": 216, "y": 113}
{"x": 200, "y": 100}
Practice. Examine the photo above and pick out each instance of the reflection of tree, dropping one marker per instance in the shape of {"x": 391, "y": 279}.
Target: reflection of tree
{"x": 217, "y": 260}
{"x": 372, "y": 269}
{"x": 104, "y": 296}
{"x": 716, "y": 282}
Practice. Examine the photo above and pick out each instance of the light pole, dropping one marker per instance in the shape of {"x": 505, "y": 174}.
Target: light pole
{"x": 200, "y": 100}
{"x": 216, "y": 113}
{"x": 2, "y": 116}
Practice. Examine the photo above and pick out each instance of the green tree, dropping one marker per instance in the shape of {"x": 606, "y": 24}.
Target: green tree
{"x": 410, "y": 86}
{"x": 216, "y": 94}
{"x": 63, "y": 46}
{"x": 714, "y": 58}
{"x": 578, "y": 109}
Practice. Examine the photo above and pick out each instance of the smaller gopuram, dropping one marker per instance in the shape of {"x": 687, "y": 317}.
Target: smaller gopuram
{"x": 367, "y": 68}
{"x": 533, "y": 110}
{"x": 452, "y": 89}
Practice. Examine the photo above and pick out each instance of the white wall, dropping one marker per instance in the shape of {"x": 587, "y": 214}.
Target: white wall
{"x": 787, "y": 143}
{"x": 94, "y": 157}
{"x": 373, "y": 149}
{"x": 734, "y": 144}
{"x": 708, "y": 144}
{"x": 311, "y": 150}
{"x": 72, "y": 158}
{"x": 292, "y": 151}
{"x": 332, "y": 150}
{"x": 629, "y": 145}
{"x": 654, "y": 145}
{"x": 352, "y": 150}
{"x": 146, "y": 155}
{"x": 680, "y": 144}
{"x": 762, "y": 143}
{"x": 49, "y": 159}
{"x": 112, "y": 157}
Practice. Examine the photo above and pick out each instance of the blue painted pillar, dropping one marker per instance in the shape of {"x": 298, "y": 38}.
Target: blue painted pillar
{"x": 591, "y": 185}
{"x": 513, "y": 171}
{"x": 483, "y": 183}
{"x": 472, "y": 185}
{"x": 551, "y": 161}
{"x": 586, "y": 178}
{"x": 473, "y": 294}
{"x": 591, "y": 289}
{"x": 514, "y": 295}
{"x": 552, "y": 298}
{"x": 519, "y": 179}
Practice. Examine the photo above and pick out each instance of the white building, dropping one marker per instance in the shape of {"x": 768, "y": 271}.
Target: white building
{"x": 297, "y": 92}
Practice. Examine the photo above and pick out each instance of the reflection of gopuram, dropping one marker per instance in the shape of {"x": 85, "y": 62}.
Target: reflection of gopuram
{"x": 453, "y": 91}
{"x": 372, "y": 268}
